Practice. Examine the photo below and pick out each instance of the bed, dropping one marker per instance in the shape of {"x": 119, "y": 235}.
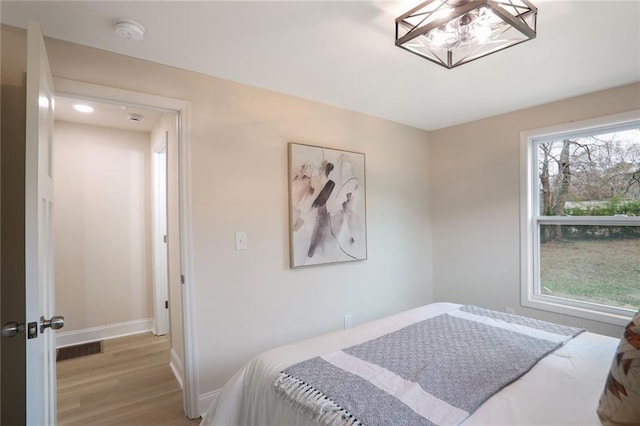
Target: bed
{"x": 562, "y": 388}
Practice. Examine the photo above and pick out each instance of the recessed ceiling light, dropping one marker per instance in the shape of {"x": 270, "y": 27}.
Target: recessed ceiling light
{"x": 83, "y": 108}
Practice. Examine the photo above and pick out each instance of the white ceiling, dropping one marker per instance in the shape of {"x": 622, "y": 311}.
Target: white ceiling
{"x": 106, "y": 114}
{"x": 342, "y": 53}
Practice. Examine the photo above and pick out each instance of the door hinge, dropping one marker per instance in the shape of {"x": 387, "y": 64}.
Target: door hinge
{"x": 164, "y": 239}
{"x": 182, "y": 278}
{"x": 166, "y": 304}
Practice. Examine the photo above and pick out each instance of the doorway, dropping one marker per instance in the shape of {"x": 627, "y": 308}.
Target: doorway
{"x": 111, "y": 231}
{"x": 168, "y": 147}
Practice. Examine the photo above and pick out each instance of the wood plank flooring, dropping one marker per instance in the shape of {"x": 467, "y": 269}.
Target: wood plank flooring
{"x": 130, "y": 384}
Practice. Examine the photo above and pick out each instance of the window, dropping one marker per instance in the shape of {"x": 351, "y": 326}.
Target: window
{"x": 581, "y": 218}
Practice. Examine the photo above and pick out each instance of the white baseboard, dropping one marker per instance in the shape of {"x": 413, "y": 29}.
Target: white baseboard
{"x": 76, "y": 337}
{"x": 206, "y": 399}
{"x": 177, "y": 368}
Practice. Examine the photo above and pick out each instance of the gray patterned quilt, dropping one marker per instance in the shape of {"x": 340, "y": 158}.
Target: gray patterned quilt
{"x": 434, "y": 372}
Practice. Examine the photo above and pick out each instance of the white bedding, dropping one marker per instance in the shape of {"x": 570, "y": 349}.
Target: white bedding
{"x": 562, "y": 389}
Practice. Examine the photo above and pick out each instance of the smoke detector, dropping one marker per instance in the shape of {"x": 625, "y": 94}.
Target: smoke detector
{"x": 128, "y": 29}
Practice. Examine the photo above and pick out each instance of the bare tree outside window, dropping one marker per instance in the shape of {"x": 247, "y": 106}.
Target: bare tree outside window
{"x": 594, "y": 175}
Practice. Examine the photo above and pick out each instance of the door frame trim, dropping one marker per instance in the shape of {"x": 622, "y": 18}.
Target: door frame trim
{"x": 182, "y": 108}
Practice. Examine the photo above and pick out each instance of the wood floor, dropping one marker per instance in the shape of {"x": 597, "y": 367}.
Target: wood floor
{"x": 129, "y": 384}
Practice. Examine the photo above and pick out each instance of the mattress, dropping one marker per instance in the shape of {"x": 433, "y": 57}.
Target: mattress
{"x": 561, "y": 389}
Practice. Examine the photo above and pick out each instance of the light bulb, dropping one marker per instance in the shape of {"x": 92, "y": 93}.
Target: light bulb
{"x": 465, "y": 27}
{"x": 443, "y": 36}
{"x": 482, "y": 33}
{"x": 465, "y": 20}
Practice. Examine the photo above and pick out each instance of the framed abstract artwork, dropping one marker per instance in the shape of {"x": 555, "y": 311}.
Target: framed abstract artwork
{"x": 327, "y": 205}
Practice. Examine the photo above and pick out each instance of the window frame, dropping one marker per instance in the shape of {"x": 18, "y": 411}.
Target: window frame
{"x": 530, "y": 296}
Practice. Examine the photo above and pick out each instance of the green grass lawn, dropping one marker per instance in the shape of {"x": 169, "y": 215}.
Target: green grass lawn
{"x": 606, "y": 272}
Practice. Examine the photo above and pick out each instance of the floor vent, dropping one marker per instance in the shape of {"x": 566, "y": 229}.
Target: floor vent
{"x": 77, "y": 351}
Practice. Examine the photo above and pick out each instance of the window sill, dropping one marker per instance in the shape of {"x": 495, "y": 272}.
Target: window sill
{"x": 620, "y": 317}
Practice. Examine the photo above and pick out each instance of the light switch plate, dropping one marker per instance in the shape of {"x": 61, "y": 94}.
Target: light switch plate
{"x": 241, "y": 240}
{"x": 348, "y": 321}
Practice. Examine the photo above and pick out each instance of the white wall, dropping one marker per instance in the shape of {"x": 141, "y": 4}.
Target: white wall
{"x": 248, "y": 301}
{"x": 101, "y": 226}
{"x": 474, "y": 176}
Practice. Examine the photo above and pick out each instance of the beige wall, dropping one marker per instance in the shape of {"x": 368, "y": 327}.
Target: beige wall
{"x": 101, "y": 225}
{"x": 248, "y": 301}
{"x": 474, "y": 177}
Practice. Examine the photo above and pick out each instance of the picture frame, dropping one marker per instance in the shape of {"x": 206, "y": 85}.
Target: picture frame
{"x": 327, "y": 205}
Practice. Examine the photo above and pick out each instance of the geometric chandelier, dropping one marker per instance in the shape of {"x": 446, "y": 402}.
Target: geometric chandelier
{"x": 454, "y": 32}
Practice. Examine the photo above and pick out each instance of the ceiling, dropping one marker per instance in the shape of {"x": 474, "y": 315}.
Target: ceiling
{"x": 106, "y": 114}
{"x": 342, "y": 53}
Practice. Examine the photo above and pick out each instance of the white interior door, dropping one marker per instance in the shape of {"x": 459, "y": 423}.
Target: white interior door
{"x": 161, "y": 285}
{"x": 41, "y": 372}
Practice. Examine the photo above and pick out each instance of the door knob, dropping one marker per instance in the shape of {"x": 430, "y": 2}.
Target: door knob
{"x": 11, "y": 328}
{"x": 56, "y": 322}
